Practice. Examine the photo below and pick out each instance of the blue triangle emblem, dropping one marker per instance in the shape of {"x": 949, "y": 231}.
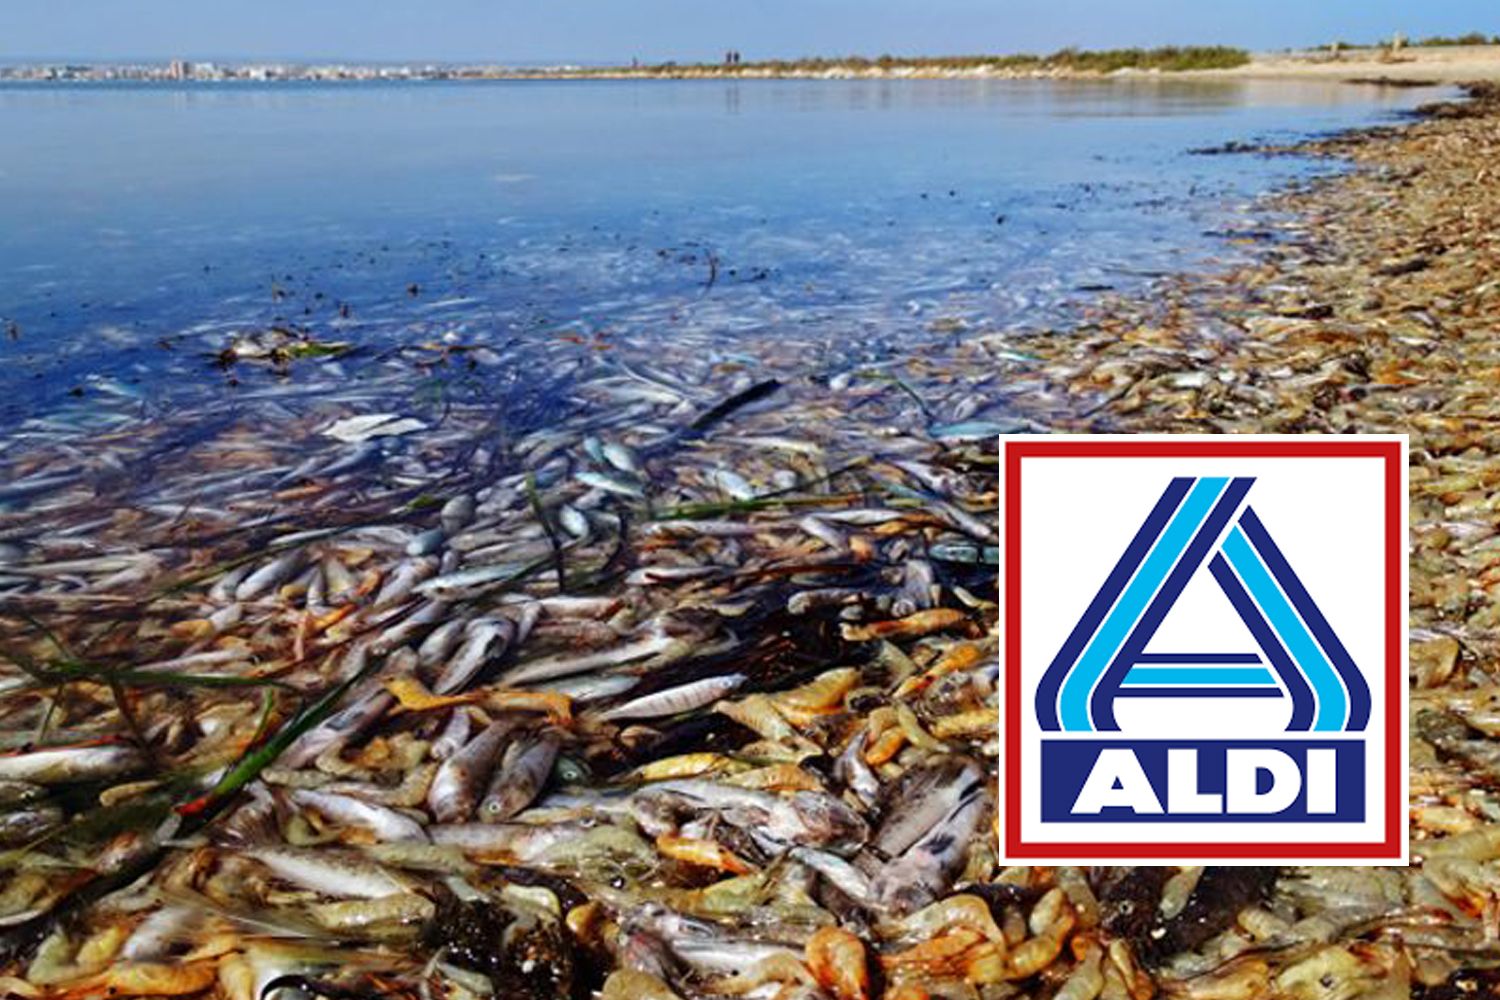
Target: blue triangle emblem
{"x": 1301, "y": 658}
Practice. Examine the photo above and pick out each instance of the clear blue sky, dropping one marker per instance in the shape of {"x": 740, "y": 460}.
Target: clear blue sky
{"x": 616, "y": 30}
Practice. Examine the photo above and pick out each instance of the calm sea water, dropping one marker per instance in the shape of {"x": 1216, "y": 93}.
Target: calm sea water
{"x": 141, "y": 227}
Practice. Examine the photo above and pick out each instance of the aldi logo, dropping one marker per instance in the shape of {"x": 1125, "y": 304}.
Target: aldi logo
{"x": 1204, "y": 649}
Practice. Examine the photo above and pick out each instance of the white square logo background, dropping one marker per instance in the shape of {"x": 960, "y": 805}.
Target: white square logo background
{"x": 1327, "y": 515}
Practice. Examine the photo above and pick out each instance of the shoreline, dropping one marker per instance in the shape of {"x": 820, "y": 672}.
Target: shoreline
{"x": 1372, "y": 310}
{"x": 1413, "y": 66}
{"x": 1375, "y": 293}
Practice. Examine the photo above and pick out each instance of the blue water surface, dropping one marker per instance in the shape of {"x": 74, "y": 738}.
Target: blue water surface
{"x": 143, "y": 226}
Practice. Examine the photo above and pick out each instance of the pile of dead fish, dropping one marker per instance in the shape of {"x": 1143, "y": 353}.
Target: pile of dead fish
{"x": 687, "y": 687}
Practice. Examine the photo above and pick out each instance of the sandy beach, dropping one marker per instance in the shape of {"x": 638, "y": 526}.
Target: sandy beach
{"x": 1451, "y": 65}
{"x": 1437, "y": 64}
{"x": 1410, "y": 66}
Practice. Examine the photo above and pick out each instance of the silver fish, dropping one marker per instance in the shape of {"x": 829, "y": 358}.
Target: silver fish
{"x": 457, "y": 513}
{"x": 408, "y": 628}
{"x": 457, "y": 785}
{"x": 426, "y": 543}
{"x": 403, "y": 581}
{"x": 523, "y": 842}
{"x": 329, "y": 872}
{"x": 621, "y": 457}
{"x": 454, "y": 735}
{"x": 485, "y": 639}
{"x": 808, "y": 818}
{"x": 569, "y": 664}
{"x": 270, "y": 576}
{"x": 840, "y": 873}
{"x": 676, "y": 700}
{"x": 611, "y": 484}
{"x": 441, "y": 642}
{"x": 926, "y": 870}
{"x": 522, "y": 774}
{"x": 66, "y": 764}
{"x": 384, "y": 823}
{"x": 468, "y": 583}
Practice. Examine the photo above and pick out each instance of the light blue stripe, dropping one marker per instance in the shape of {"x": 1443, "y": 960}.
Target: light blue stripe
{"x": 1073, "y": 700}
{"x": 1333, "y": 704}
{"x": 1199, "y": 675}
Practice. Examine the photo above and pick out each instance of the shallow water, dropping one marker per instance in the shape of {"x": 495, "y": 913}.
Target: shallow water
{"x": 141, "y": 226}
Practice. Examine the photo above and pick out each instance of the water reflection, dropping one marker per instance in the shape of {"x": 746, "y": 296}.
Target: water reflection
{"x": 132, "y": 217}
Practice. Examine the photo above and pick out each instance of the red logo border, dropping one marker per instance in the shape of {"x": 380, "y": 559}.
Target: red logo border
{"x": 1392, "y": 848}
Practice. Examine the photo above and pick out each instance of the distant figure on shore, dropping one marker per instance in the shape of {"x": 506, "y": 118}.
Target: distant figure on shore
{"x": 732, "y": 58}
{"x": 1393, "y": 52}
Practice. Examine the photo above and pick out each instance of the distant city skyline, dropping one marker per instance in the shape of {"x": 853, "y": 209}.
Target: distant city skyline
{"x": 617, "y": 31}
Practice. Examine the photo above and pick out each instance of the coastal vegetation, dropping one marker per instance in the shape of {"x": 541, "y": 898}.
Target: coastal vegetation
{"x": 1473, "y": 38}
{"x": 1170, "y": 58}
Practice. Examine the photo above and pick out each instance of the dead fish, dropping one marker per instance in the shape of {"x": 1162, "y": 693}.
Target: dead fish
{"x": 383, "y": 823}
{"x": 408, "y": 909}
{"x": 590, "y": 688}
{"x": 842, "y": 874}
{"x": 440, "y": 642}
{"x": 467, "y": 583}
{"x": 674, "y": 701}
{"x": 408, "y": 628}
{"x": 808, "y": 818}
{"x": 824, "y": 532}
{"x": 567, "y": 664}
{"x": 522, "y": 774}
{"x": 485, "y": 640}
{"x": 807, "y": 601}
{"x": 62, "y": 765}
{"x": 522, "y": 842}
{"x": 367, "y": 453}
{"x": 851, "y": 769}
{"x": 733, "y": 484}
{"x": 919, "y": 800}
{"x": 427, "y": 542}
{"x": 621, "y": 457}
{"x": 976, "y": 430}
{"x": 367, "y": 704}
{"x": 270, "y": 576}
{"x": 157, "y": 935}
{"x": 732, "y": 957}
{"x": 458, "y": 783}
{"x": 649, "y": 576}
{"x": 222, "y": 592}
{"x": 678, "y": 528}
{"x": 925, "y": 871}
{"x": 403, "y": 581}
{"x": 22, "y": 826}
{"x": 611, "y": 484}
{"x": 331, "y": 873}
{"x": 573, "y": 521}
{"x": 457, "y": 514}
{"x": 454, "y": 735}
{"x": 919, "y": 589}
{"x": 36, "y": 485}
